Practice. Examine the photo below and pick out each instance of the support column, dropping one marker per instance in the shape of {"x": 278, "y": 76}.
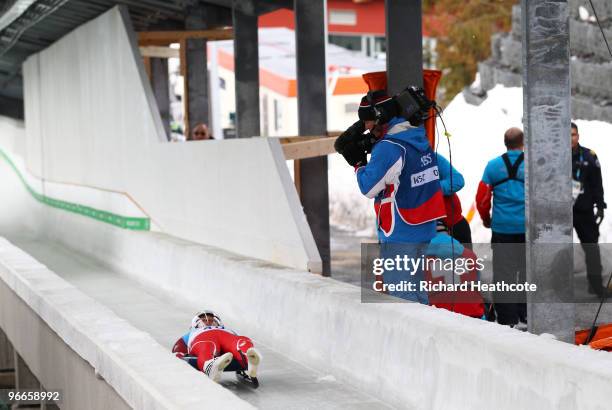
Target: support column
{"x": 246, "y": 68}
{"x": 7, "y": 362}
{"x": 404, "y": 44}
{"x": 24, "y": 378}
{"x": 161, "y": 89}
{"x": 546, "y": 114}
{"x": 310, "y": 40}
{"x": 6, "y": 353}
{"x": 195, "y": 74}
{"x": 49, "y": 406}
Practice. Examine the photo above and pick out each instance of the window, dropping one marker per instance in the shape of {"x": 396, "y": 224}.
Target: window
{"x": 380, "y": 45}
{"x": 348, "y": 42}
{"x": 264, "y": 115}
{"x": 222, "y": 83}
{"x": 351, "y": 108}
{"x": 343, "y": 17}
{"x": 278, "y": 115}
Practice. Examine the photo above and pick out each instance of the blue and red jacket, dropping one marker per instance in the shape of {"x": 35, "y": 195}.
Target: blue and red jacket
{"x": 404, "y": 180}
{"x": 508, "y": 195}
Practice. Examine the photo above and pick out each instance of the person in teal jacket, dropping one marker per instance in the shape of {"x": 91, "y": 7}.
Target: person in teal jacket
{"x": 503, "y": 181}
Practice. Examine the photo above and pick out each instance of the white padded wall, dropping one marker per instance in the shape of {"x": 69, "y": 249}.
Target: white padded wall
{"x": 89, "y": 101}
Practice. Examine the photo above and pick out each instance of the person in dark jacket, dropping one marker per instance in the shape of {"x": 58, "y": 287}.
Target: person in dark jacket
{"x": 589, "y": 205}
{"x": 503, "y": 181}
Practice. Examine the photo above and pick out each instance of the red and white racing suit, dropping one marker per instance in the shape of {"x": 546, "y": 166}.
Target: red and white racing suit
{"x": 212, "y": 341}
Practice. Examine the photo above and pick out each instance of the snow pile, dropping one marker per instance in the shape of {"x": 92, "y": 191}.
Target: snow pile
{"x": 348, "y": 208}
{"x": 477, "y": 137}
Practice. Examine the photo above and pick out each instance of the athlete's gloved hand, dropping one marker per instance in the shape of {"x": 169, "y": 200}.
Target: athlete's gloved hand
{"x": 599, "y": 215}
{"x": 180, "y": 355}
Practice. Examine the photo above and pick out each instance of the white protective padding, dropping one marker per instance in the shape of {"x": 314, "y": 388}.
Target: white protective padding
{"x": 409, "y": 355}
{"x": 144, "y": 374}
{"x": 12, "y": 133}
{"x": 91, "y": 119}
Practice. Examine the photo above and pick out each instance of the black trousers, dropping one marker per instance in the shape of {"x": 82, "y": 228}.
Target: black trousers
{"x": 588, "y": 233}
{"x": 461, "y": 231}
{"x": 510, "y": 266}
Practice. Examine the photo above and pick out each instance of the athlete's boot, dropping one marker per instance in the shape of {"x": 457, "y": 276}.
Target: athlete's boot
{"x": 214, "y": 367}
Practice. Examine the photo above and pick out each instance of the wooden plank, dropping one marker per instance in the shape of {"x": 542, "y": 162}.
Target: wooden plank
{"x": 162, "y": 38}
{"x": 295, "y": 138}
{"x": 309, "y": 148}
{"x": 159, "y": 52}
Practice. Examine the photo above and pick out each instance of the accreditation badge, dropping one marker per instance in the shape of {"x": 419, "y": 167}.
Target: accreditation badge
{"x": 576, "y": 189}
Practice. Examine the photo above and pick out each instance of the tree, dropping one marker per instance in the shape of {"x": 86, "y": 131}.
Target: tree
{"x": 465, "y": 39}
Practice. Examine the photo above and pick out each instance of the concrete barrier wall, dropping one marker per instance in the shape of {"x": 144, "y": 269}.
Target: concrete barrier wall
{"x": 586, "y": 40}
{"x": 91, "y": 119}
{"x": 53, "y": 362}
{"x": 589, "y": 77}
{"x": 409, "y": 355}
{"x": 58, "y": 331}
{"x": 590, "y": 65}
{"x": 602, "y": 7}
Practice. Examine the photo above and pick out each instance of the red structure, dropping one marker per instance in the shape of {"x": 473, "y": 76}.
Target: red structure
{"x": 353, "y": 17}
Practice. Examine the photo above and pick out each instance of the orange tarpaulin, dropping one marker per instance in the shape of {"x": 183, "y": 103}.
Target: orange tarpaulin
{"x": 431, "y": 78}
{"x": 602, "y": 339}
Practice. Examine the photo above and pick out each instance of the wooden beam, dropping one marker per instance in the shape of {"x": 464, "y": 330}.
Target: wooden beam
{"x": 167, "y": 37}
{"x": 295, "y": 138}
{"x": 159, "y": 52}
{"x": 308, "y": 147}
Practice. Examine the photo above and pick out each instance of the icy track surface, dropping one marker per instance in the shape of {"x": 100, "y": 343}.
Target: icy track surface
{"x": 284, "y": 383}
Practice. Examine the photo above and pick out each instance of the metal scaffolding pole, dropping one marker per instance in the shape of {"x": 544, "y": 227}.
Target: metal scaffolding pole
{"x": 246, "y": 63}
{"x": 161, "y": 90}
{"x": 546, "y": 108}
{"x": 196, "y": 72}
{"x": 310, "y": 36}
{"x": 404, "y": 44}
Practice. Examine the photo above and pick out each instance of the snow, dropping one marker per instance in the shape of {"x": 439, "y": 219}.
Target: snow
{"x": 584, "y": 15}
{"x": 476, "y": 137}
{"x": 348, "y": 208}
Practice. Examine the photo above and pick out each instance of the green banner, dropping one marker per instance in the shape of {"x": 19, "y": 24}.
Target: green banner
{"x": 126, "y": 222}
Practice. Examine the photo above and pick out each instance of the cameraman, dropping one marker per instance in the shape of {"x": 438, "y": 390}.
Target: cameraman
{"x": 402, "y": 175}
